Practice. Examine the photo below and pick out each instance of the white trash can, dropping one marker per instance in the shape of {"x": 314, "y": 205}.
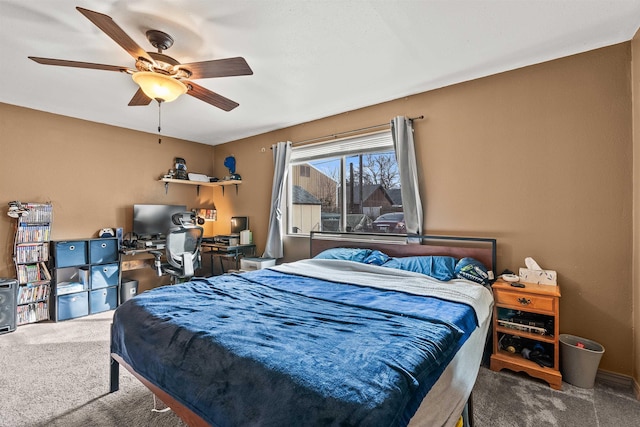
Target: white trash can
{"x": 579, "y": 359}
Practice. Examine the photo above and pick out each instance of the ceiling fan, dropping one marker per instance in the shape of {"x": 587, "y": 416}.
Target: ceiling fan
{"x": 160, "y": 76}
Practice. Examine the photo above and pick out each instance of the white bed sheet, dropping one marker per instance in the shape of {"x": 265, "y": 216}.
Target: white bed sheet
{"x": 454, "y": 385}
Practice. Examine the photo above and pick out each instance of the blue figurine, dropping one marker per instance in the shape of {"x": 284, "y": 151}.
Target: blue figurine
{"x": 230, "y": 163}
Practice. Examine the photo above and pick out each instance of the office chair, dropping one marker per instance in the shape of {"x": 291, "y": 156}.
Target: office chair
{"x": 182, "y": 248}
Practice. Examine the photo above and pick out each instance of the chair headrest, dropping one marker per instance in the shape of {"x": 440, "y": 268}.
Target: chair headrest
{"x": 184, "y": 218}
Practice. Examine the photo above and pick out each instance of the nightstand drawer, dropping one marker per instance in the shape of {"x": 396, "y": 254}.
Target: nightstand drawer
{"x": 525, "y": 300}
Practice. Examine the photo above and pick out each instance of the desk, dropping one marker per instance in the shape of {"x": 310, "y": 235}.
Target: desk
{"x": 135, "y": 261}
{"x": 139, "y": 264}
{"x": 142, "y": 258}
{"x": 227, "y": 251}
{"x": 137, "y": 251}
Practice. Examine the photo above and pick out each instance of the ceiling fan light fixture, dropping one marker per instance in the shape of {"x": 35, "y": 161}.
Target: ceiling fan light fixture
{"x": 159, "y": 86}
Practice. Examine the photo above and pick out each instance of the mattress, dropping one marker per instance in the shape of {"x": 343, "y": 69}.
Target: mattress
{"x": 316, "y": 342}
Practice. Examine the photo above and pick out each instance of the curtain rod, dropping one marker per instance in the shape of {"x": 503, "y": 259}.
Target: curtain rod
{"x": 335, "y": 135}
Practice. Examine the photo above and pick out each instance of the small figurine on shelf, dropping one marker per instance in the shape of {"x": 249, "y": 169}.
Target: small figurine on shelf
{"x": 230, "y": 163}
{"x": 181, "y": 168}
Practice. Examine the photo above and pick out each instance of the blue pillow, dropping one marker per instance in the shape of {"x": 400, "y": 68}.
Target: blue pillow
{"x": 472, "y": 269}
{"x": 376, "y": 258}
{"x": 346, "y": 254}
{"x": 438, "y": 267}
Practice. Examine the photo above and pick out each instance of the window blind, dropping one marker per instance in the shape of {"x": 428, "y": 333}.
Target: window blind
{"x": 372, "y": 142}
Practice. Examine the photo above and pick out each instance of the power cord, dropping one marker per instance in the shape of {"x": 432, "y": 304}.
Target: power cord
{"x": 155, "y": 406}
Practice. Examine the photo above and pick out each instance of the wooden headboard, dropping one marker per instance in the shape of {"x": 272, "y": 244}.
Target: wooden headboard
{"x": 395, "y": 245}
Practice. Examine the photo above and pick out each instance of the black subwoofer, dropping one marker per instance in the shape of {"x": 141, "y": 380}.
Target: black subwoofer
{"x": 8, "y": 299}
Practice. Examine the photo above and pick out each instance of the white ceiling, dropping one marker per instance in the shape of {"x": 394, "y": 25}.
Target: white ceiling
{"x": 310, "y": 59}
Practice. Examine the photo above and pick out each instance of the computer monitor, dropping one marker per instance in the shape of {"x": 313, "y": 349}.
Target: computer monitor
{"x": 154, "y": 221}
{"x": 239, "y": 223}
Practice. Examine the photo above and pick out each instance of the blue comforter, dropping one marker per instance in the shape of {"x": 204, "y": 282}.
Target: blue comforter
{"x": 273, "y": 349}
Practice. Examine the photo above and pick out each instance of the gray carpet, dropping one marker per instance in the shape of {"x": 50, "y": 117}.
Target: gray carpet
{"x": 505, "y": 399}
{"x": 57, "y": 374}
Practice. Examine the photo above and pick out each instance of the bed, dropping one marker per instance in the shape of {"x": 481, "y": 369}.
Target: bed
{"x": 351, "y": 336}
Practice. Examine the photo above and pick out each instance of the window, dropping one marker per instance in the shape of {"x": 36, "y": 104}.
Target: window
{"x": 350, "y": 185}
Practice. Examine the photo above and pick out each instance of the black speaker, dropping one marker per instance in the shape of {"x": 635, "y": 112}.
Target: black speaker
{"x": 8, "y": 299}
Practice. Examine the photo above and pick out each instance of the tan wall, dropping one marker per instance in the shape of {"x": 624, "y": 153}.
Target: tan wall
{"x": 92, "y": 173}
{"x": 635, "y": 80}
{"x": 540, "y": 158}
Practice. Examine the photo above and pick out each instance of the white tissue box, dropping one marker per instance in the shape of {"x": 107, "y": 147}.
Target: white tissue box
{"x": 540, "y": 277}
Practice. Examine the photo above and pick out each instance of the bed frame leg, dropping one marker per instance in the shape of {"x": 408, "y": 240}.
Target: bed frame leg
{"x": 467, "y": 413}
{"x": 114, "y": 371}
{"x": 114, "y": 379}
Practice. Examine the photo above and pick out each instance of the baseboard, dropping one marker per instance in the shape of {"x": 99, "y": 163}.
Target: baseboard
{"x": 619, "y": 380}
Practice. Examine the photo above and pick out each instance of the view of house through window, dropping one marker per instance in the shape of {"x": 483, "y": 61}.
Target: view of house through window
{"x": 349, "y": 191}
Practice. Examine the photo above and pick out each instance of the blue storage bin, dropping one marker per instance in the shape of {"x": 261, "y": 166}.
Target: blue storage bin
{"x": 68, "y": 254}
{"x": 104, "y": 275}
{"x": 103, "y": 299}
{"x": 103, "y": 250}
{"x": 73, "y": 305}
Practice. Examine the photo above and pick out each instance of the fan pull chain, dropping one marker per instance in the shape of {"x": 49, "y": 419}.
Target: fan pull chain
{"x": 159, "y": 122}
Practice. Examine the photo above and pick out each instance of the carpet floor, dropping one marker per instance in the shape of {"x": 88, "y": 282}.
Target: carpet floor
{"x": 508, "y": 399}
{"x": 57, "y": 374}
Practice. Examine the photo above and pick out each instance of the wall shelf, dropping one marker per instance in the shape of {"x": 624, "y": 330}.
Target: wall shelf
{"x": 221, "y": 184}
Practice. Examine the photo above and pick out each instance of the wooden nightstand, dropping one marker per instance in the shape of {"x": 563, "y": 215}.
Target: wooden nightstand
{"x": 528, "y": 315}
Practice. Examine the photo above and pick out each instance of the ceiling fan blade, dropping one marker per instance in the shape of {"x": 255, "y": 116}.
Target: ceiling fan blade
{"x": 139, "y": 98}
{"x": 77, "y": 64}
{"x": 210, "y": 97}
{"x": 110, "y": 28}
{"x": 218, "y": 68}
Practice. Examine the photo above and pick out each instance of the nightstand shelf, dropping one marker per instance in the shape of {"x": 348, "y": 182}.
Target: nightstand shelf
{"x": 516, "y": 363}
{"x": 527, "y": 335}
{"x": 539, "y": 304}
